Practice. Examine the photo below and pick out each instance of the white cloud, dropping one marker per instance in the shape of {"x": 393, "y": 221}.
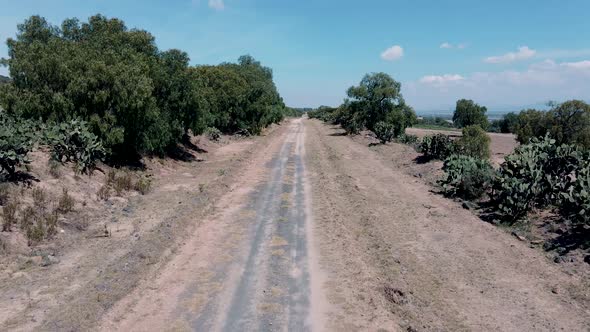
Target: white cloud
{"x": 217, "y": 4}
{"x": 523, "y": 53}
{"x": 538, "y": 83}
{"x": 461, "y": 46}
{"x": 578, "y": 65}
{"x": 393, "y": 53}
{"x": 435, "y": 79}
{"x": 446, "y": 45}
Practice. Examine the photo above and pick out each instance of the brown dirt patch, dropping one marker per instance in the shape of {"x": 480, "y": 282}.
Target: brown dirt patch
{"x": 400, "y": 257}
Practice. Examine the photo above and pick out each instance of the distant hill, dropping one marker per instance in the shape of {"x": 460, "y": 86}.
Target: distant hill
{"x": 4, "y": 79}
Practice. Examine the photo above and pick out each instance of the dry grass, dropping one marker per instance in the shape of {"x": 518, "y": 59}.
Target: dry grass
{"x": 104, "y": 193}
{"x": 66, "y": 202}
{"x": 123, "y": 182}
{"x": 54, "y": 168}
{"x": 39, "y": 197}
{"x": 4, "y": 193}
{"x": 9, "y": 215}
{"x": 143, "y": 185}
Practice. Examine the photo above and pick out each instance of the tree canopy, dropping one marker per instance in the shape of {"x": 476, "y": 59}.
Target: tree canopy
{"x": 136, "y": 98}
{"x": 567, "y": 123}
{"x": 468, "y": 113}
{"x": 377, "y": 99}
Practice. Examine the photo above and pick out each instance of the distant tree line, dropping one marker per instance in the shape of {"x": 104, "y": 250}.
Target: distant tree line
{"x": 135, "y": 98}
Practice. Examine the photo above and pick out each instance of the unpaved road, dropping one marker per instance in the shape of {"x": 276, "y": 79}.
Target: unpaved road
{"x": 322, "y": 233}
{"x": 250, "y": 267}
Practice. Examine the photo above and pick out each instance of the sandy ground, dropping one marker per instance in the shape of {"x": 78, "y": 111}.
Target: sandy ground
{"x": 249, "y": 267}
{"x": 93, "y": 272}
{"x": 399, "y": 257}
{"x": 301, "y": 229}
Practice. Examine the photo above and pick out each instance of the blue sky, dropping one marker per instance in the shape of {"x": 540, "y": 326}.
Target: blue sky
{"x": 503, "y": 54}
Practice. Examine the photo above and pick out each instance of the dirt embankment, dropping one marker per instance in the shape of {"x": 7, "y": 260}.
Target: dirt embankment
{"x": 89, "y": 272}
{"x": 400, "y": 257}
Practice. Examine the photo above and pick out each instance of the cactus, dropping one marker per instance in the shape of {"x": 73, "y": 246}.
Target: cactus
{"x": 535, "y": 175}
{"x": 72, "y": 141}
{"x": 17, "y": 138}
{"x": 466, "y": 177}
{"x": 439, "y": 146}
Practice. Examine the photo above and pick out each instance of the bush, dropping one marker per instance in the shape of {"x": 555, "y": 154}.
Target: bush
{"x": 213, "y": 133}
{"x": 123, "y": 182}
{"x": 66, "y": 202}
{"x": 439, "y": 146}
{"x": 54, "y": 167}
{"x": 9, "y": 215}
{"x": 475, "y": 142}
{"x": 72, "y": 141}
{"x": 466, "y": 177}
{"x": 535, "y": 175}
{"x": 408, "y": 139}
{"x": 4, "y": 193}
{"x": 324, "y": 113}
{"x": 384, "y": 131}
{"x": 143, "y": 185}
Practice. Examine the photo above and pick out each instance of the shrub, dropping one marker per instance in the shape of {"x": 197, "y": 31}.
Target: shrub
{"x": 104, "y": 192}
{"x": 352, "y": 124}
{"x": 39, "y": 197}
{"x": 72, "y": 141}
{"x": 143, "y": 185}
{"x": 475, "y": 142}
{"x": 466, "y": 177}
{"x": 324, "y": 113}
{"x": 123, "y": 182}
{"x": 408, "y": 139}
{"x": 9, "y": 215}
{"x": 54, "y": 168}
{"x": 4, "y": 193}
{"x": 439, "y": 146}
{"x": 66, "y": 202}
{"x": 384, "y": 131}
{"x": 213, "y": 133}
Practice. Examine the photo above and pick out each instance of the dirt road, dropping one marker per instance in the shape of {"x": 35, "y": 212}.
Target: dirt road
{"x": 251, "y": 266}
{"x": 321, "y": 232}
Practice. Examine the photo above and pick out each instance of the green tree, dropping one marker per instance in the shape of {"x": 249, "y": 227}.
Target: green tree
{"x": 531, "y": 123}
{"x": 570, "y": 123}
{"x": 378, "y": 99}
{"x": 468, "y": 113}
{"x": 508, "y": 123}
